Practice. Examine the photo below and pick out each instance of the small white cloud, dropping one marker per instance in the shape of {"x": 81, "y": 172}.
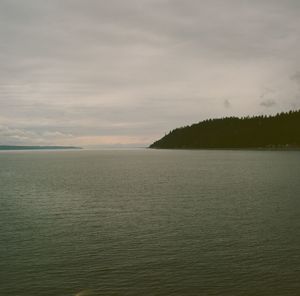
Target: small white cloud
{"x": 227, "y": 104}
{"x": 296, "y": 77}
{"x": 268, "y": 103}
{"x": 56, "y": 134}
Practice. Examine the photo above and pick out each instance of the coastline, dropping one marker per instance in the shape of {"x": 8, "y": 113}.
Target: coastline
{"x": 25, "y": 148}
{"x": 235, "y": 149}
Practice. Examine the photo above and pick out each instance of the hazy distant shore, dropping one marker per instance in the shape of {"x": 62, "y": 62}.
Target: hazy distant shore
{"x": 11, "y": 147}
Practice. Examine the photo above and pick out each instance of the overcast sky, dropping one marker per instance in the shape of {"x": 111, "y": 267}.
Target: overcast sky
{"x": 116, "y": 72}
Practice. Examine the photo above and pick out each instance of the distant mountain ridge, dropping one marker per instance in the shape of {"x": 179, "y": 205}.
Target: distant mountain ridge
{"x": 12, "y": 147}
{"x": 279, "y": 131}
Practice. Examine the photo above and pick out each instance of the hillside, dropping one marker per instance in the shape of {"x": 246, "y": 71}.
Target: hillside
{"x": 279, "y": 131}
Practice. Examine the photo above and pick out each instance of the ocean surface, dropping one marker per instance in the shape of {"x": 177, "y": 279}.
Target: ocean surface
{"x": 149, "y": 222}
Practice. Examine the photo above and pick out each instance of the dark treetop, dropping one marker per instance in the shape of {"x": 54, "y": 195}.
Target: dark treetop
{"x": 279, "y": 131}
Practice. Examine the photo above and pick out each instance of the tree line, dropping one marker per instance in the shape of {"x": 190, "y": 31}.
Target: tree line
{"x": 279, "y": 131}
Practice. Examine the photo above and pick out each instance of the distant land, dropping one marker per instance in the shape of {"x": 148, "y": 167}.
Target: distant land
{"x": 8, "y": 147}
{"x": 281, "y": 131}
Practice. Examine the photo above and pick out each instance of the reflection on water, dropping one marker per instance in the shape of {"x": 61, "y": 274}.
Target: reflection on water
{"x": 150, "y": 223}
{"x": 85, "y": 293}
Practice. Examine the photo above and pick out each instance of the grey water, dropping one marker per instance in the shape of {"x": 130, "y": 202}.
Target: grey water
{"x": 150, "y": 222}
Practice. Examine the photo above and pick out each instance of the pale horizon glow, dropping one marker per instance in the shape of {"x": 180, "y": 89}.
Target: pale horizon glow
{"x": 120, "y": 73}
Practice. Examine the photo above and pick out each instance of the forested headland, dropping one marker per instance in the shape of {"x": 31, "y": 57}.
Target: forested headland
{"x": 279, "y": 131}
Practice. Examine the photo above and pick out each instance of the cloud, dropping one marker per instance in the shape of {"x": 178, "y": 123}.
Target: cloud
{"x": 227, "y": 104}
{"x": 110, "y": 141}
{"x": 14, "y": 136}
{"x": 268, "y": 103}
{"x": 138, "y": 68}
{"x": 296, "y": 78}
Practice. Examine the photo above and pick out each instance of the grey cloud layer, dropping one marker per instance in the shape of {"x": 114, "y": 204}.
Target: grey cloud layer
{"x": 137, "y": 68}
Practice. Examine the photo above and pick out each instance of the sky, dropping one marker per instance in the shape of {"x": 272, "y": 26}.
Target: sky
{"x": 98, "y": 73}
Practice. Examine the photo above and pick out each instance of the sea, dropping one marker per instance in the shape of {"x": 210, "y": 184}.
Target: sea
{"x": 150, "y": 222}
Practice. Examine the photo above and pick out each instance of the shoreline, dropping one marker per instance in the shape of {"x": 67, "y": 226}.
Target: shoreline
{"x": 26, "y": 148}
{"x": 233, "y": 149}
